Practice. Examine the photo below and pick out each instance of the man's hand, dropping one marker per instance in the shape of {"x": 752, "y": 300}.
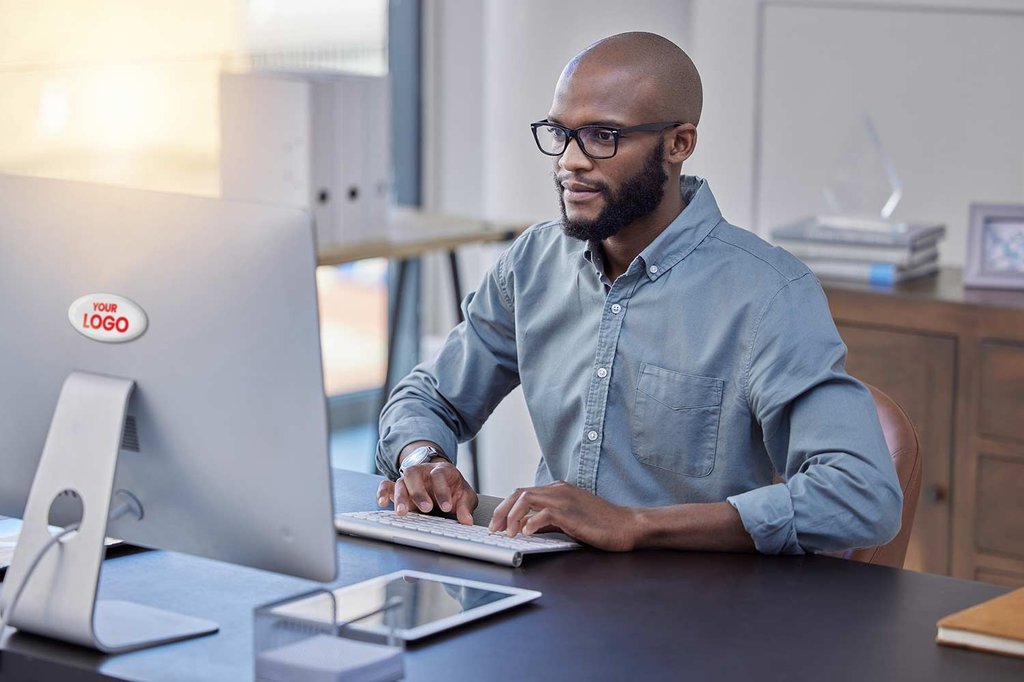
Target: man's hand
{"x": 437, "y": 482}
{"x": 560, "y": 506}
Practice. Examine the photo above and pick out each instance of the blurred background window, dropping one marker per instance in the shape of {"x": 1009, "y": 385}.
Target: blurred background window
{"x": 126, "y": 93}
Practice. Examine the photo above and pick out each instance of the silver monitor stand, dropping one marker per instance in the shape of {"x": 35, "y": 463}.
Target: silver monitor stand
{"x": 59, "y": 601}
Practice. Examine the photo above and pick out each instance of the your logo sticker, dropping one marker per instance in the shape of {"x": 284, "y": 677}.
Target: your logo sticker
{"x": 108, "y": 318}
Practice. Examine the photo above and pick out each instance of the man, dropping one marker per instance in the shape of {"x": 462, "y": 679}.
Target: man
{"x": 671, "y": 362}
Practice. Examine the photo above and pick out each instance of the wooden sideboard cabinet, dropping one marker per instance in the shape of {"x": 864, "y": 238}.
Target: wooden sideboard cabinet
{"x": 954, "y": 359}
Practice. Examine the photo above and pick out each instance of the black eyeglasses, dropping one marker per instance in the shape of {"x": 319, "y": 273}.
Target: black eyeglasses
{"x": 597, "y": 142}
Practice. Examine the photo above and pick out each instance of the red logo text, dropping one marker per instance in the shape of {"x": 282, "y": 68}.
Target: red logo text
{"x": 106, "y": 322}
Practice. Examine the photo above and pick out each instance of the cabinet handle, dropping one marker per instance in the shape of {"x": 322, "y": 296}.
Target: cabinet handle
{"x": 937, "y": 492}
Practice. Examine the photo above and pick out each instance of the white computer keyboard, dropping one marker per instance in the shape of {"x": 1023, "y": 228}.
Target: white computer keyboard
{"x": 447, "y": 535}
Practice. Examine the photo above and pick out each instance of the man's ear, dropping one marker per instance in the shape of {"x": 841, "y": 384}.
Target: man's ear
{"x": 681, "y": 143}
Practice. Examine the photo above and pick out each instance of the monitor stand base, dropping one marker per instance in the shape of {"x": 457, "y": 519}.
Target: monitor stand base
{"x": 58, "y": 587}
{"x": 121, "y": 626}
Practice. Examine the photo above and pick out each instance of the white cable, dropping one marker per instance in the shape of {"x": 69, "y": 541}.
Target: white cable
{"x": 5, "y": 617}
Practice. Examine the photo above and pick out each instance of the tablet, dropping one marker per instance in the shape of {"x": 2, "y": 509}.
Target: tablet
{"x": 424, "y": 603}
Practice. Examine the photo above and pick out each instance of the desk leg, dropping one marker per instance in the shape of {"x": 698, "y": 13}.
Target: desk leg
{"x": 394, "y": 313}
{"x": 453, "y": 262}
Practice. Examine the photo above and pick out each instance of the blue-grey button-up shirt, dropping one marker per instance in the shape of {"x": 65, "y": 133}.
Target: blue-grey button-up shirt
{"x": 709, "y": 366}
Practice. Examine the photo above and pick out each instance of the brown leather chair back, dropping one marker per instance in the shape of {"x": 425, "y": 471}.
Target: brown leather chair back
{"x": 905, "y": 449}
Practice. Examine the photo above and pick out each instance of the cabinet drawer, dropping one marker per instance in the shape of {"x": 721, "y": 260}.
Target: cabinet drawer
{"x": 999, "y": 520}
{"x": 1001, "y": 407}
{"x": 999, "y": 577}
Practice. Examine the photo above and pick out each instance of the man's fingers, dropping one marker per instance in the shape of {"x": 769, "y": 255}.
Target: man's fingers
{"x": 424, "y": 486}
{"x": 500, "y": 516}
{"x": 385, "y": 492}
{"x": 442, "y": 491}
{"x": 416, "y": 484}
{"x": 539, "y": 522}
{"x": 464, "y": 507}
{"x": 401, "y": 498}
{"x": 529, "y": 500}
{"x": 465, "y": 500}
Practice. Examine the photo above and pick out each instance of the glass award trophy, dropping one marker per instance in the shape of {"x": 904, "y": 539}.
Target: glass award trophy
{"x": 863, "y": 189}
{"x": 855, "y": 237}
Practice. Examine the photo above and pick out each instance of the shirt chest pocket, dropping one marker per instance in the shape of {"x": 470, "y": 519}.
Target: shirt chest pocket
{"x": 675, "y": 420}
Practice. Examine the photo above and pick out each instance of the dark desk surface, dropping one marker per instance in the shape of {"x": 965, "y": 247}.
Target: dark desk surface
{"x": 648, "y": 615}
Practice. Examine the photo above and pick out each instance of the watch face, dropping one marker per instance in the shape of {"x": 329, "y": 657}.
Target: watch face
{"x": 418, "y": 456}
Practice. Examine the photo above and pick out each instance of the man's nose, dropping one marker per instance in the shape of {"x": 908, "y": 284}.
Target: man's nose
{"x": 573, "y": 157}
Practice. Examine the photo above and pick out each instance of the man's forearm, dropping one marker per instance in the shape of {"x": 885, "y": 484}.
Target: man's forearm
{"x": 708, "y": 527}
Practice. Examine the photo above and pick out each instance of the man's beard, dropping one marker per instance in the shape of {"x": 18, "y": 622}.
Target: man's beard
{"x": 636, "y": 198}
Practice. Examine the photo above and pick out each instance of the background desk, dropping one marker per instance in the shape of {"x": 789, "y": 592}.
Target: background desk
{"x": 411, "y": 233}
{"x": 648, "y": 615}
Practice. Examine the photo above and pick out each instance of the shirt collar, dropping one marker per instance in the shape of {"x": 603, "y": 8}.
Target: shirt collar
{"x": 682, "y": 235}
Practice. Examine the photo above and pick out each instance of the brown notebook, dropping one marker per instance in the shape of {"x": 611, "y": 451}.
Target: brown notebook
{"x": 996, "y": 625}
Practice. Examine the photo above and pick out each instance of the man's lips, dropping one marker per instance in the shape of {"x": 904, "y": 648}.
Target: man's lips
{"x": 578, "y": 192}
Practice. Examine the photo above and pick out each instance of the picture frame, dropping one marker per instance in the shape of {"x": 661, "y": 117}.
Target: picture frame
{"x": 995, "y": 247}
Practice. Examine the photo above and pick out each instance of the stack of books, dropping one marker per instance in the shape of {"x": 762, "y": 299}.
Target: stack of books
{"x": 868, "y": 251}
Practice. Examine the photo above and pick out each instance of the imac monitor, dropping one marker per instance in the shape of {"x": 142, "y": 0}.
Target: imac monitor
{"x": 162, "y": 350}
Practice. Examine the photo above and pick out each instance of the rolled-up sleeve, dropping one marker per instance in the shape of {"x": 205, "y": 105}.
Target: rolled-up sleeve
{"x": 821, "y": 431}
{"x": 448, "y": 400}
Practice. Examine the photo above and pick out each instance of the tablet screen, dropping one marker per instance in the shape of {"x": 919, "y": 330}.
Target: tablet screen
{"x": 421, "y": 603}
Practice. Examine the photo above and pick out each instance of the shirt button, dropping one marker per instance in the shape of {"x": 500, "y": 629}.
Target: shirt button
{"x": 616, "y": 308}
{"x": 653, "y": 269}
{"x": 592, "y": 435}
{"x": 602, "y": 372}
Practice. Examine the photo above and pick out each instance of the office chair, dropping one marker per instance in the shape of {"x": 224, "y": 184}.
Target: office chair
{"x": 905, "y": 450}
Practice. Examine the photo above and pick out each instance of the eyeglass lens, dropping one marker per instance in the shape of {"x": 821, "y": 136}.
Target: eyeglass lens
{"x": 596, "y": 142}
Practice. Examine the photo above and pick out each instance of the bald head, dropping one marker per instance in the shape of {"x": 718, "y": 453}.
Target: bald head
{"x": 663, "y": 79}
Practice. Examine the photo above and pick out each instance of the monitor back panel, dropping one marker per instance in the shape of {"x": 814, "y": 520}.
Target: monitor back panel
{"x": 231, "y": 460}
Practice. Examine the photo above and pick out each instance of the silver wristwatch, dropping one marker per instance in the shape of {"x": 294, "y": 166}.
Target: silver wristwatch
{"x": 419, "y": 456}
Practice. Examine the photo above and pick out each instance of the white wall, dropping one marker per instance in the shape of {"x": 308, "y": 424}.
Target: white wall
{"x": 724, "y": 48}
{"x": 786, "y": 80}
